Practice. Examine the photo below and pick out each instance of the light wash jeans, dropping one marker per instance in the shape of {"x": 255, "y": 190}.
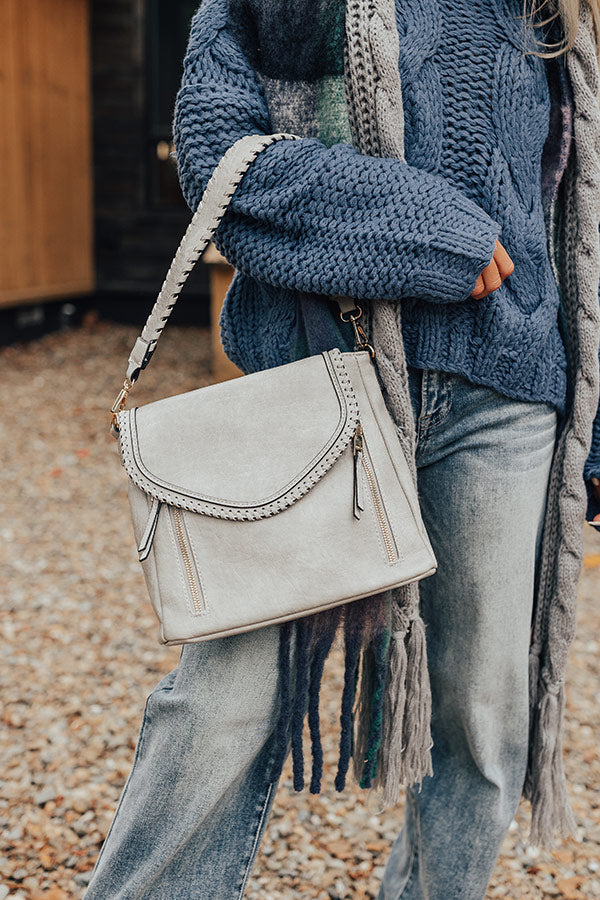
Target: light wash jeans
{"x": 196, "y": 801}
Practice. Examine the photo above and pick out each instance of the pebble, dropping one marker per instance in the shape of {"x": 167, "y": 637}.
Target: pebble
{"x": 80, "y": 646}
{"x": 42, "y": 797}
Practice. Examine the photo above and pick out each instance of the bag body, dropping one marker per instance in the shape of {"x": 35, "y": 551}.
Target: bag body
{"x": 270, "y": 497}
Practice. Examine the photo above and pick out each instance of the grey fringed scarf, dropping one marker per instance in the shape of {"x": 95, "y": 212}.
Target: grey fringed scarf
{"x": 577, "y": 258}
{"x": 375, "y": 126}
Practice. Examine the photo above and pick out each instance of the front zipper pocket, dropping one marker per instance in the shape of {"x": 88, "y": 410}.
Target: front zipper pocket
{"x": 362, "y": 460}
{"x": 187, "y": 559}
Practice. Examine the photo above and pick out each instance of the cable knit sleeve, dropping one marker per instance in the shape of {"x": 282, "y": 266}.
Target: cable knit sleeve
{"x": 319, "y": 219}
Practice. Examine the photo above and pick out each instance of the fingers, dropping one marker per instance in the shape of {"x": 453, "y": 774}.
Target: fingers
{"x": 488, "y": 281}
{"x": 492, "y": 277}
{"x": 499, "y": 268}
{"x": 479, "y": 292}
{"x": 505, "y": 264}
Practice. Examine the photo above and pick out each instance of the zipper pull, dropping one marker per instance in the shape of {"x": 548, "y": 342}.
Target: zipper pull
{"x": 148, "y": 535}
{"x": 357, "y": 448}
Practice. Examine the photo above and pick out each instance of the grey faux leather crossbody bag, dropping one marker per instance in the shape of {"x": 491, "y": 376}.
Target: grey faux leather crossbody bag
{"x": 271, "y": 496}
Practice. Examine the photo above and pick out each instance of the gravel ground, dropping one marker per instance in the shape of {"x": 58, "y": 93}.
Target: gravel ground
{"x": 80, "y": 654}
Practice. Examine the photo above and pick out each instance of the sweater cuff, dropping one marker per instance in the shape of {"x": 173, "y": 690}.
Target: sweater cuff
{"x": 470, "y": 235}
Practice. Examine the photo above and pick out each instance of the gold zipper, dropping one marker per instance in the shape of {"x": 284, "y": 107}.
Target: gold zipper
{"x": 361, "y": 456}
{"x": 187, "y": 561}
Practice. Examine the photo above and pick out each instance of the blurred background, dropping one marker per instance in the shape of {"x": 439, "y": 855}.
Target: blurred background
{"x": 91, "y": 206}
{"x": 90, "y": 216}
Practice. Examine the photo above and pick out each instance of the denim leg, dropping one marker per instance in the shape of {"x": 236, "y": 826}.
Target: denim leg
{"x": 483, "y": 466}
{"x": 197, "y": 798}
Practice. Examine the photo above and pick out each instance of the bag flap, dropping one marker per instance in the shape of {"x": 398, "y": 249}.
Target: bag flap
{"x": 247, "y": 448}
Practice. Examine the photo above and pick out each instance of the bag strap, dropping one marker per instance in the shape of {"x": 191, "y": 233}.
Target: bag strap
{"x": 212, "y": 207}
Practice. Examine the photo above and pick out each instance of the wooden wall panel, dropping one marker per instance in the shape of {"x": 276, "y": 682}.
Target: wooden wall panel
{"x": 45, "y": 150}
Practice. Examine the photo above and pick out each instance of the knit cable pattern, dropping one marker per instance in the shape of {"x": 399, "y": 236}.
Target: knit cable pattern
{"x": 312, "y": 218}
{"x": 326, "y": 220}
{"x": 477, "y": 109}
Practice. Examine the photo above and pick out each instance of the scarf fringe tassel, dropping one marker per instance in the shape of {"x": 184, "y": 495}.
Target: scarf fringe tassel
{"x": 545, "y": 785}
{"x": 386, "y": 731}
{"x": 406, "y": 746}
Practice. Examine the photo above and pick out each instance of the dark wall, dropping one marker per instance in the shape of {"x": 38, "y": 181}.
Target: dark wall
{"x": 140, "y": 214}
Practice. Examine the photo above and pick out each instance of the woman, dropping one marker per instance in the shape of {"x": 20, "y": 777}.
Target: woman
{"x": 434, "y": 183}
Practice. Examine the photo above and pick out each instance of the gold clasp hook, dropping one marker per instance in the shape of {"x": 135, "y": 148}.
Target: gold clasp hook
{"x": 360, "y": 338}
{"x": 119, "y": 405}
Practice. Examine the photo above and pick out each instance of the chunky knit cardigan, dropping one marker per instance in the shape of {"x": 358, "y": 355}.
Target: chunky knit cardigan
{"x": 351, "y": 112}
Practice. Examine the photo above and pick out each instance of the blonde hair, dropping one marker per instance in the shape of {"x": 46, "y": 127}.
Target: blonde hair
{"x": 542, "y": 12}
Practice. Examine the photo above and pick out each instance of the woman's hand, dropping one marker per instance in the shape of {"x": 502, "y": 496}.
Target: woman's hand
{"x": 500, "y": 267}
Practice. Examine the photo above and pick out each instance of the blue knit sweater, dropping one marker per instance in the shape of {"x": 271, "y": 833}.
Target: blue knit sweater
{"x": 328, "y": 220}
{"x": 477, "y": 110}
